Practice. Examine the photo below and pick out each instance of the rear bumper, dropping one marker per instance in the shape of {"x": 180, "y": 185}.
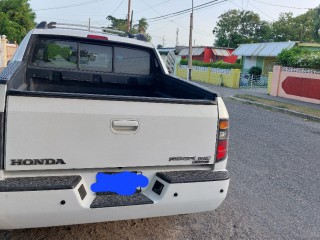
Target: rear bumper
{"x": 74, "y": 203}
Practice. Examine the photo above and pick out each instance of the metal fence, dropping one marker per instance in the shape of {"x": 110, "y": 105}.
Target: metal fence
{"x": 253, "y": 81}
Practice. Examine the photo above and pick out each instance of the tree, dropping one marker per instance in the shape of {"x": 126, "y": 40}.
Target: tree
{"x": 142, "y": 26}
{"x": 16, "y": 19}
{"x": 121, "y": 25}
{"x": 316, "y": 25}
{"x": 117, "y": 23}
{"x": 235, "y": 27}
{"x": 289, "y": 28}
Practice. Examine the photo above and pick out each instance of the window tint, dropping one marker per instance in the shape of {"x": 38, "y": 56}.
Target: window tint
{"x": 131, "y": 61}
{"x": 95, "y": 58}
{"x": 91, "y": 57}
{"x": 56, "y": 54}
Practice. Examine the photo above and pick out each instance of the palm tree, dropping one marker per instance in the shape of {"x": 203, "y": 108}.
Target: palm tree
{"x": 142, "y": 25}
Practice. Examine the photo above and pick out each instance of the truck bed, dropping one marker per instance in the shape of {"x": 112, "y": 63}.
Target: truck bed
{"x": 31, "y": 80}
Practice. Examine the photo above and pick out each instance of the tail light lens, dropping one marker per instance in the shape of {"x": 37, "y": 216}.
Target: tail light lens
{"x": 222, "y": 149}
{"x": 97, "y": 37}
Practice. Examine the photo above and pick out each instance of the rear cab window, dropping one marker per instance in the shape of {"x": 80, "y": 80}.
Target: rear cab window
{"x": 131, "y": 61}
{"x": 55, "y": 54}
{"x": 91, "y": 57}
{"x": 85, "y": 66}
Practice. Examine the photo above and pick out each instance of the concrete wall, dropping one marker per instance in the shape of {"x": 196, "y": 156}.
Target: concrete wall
{"x": 3, "y": 52}
{"x": 295, "y": 83}
{"x": 269, "y": 82}
{"x": 223, "y": 77}
{"x": 6, "y": 51}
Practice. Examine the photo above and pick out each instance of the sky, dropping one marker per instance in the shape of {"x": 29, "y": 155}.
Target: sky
{"x": 164, "y": 31}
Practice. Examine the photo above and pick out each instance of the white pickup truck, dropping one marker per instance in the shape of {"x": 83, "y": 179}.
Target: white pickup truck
{"x": 75, "y": 104}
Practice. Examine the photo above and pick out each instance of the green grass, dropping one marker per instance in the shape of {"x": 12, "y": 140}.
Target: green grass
{"x": 287, "y": 106}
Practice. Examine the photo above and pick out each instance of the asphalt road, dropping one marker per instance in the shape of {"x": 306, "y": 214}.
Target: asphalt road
{"x": 274, "y": 191}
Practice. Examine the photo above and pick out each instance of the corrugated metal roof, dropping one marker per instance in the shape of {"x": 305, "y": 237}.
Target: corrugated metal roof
{"x": 195, "y": 51}
{"x": 165, "y": 51}
{"x": 221, "y": 52}
{"x": 262, "y": 49}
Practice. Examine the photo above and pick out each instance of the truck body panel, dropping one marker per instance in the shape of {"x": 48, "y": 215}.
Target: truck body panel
{"x": 78, "y": 104}
{"x": 30, "y": 209}
{"x": 83, "y": 133}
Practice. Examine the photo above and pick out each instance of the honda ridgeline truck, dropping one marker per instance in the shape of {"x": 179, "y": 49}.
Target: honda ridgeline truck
{"x": 79, "y": 106}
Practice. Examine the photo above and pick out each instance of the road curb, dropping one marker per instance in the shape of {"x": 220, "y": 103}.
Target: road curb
{"x": 299, "y": 114}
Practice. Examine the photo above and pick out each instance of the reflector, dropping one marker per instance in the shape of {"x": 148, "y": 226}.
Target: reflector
{"x": 224, "y": 124}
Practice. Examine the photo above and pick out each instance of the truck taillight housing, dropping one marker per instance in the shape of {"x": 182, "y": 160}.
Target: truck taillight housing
{"x": 222, "y": 146}
{"x": 97, "y": 37}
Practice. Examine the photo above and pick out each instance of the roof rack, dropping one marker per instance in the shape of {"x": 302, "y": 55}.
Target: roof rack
{"x": 103, "y": 30}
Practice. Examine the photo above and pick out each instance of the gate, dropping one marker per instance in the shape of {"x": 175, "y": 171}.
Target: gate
{"x": 253, "y": 81}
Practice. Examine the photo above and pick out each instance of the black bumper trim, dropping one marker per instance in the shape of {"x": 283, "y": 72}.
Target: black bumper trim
{"x": 114, "y": 200}
{"x": 193, "y": 176}
{"x": 39, "y": 183}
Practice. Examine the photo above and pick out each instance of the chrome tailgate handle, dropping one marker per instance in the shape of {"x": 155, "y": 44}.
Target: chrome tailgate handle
{"x": 124, "y": 126}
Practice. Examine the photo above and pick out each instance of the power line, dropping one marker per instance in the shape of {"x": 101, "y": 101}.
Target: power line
{"x": 156, "y": 11}
{"x": 253, "y": 7}
{"x": 117, "y": 8}
{"x": 247, "y": 4}
{"x": 205, "y": 5}
{"x": 276, "y": 5}
{"x": 202, "y": 6}
{"x": 262, "y": 12}
{"x": 151, "y": 6}
{"x": 182, "y": 11}
{"x": 71, "y": 5}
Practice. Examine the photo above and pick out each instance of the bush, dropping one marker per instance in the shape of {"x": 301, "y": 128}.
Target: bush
{"x": 219, "y": 64}
{"x": 256, "y": 71}
{"x": 311, "y": 60}
{"x": 299, "y": 58}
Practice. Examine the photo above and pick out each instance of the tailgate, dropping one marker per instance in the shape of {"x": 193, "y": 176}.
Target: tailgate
{"x": 61, "y": 133}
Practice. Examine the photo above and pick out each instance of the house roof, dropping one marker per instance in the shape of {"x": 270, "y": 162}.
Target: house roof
{"x": 221, "y": 52}
{"x": 165, "y": 50}
{"x": 196, "y": 51}
{"x": 262, "y": 49}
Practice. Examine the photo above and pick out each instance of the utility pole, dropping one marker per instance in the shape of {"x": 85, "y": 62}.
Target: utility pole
{"x": 129, "y": 18}
{"x": 177, "y": 37}
{"x": 190, "y": 45}
{"x": 89, "y": 24}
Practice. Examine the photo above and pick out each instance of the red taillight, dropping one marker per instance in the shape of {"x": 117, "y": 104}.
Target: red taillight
{"x": 97, "y": 37}
{"x": 222, "y": 148}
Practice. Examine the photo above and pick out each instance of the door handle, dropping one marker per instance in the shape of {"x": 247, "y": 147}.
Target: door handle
{"x": 125, "y": 126}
